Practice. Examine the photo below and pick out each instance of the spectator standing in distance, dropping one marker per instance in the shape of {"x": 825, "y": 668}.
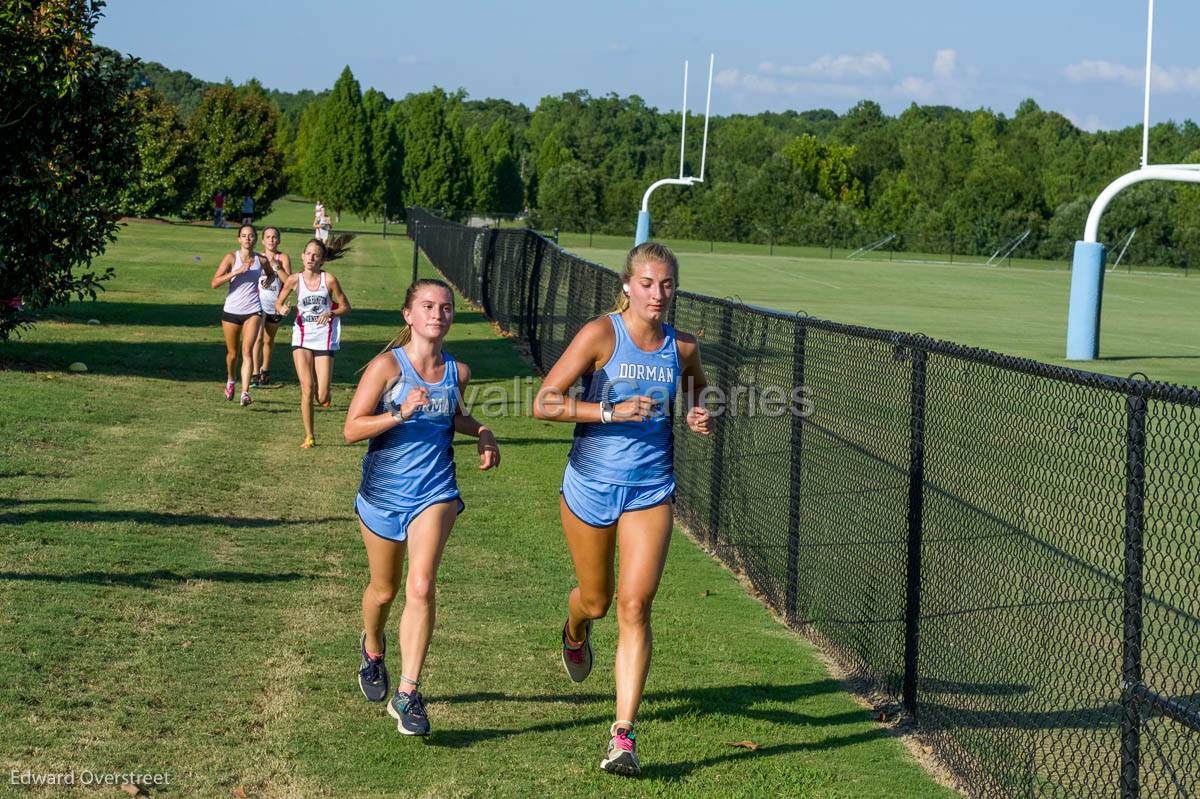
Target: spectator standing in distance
{"x": 247, "y": 210}
{"x": 219, "y": 209}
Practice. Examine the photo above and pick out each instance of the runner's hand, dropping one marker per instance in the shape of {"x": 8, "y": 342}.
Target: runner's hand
{"x": 416, "y": 399}
{"x": 700, "y": 421}
{"x": 634, "y": 409}
{"x": 489, "y": 450}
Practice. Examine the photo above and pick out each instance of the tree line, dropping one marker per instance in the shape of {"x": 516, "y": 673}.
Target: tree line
{"x": 103, "y": 135}
{"x": 940, "y": 179}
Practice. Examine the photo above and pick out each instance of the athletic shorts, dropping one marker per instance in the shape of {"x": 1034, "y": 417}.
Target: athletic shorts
{"x": 600, "y": 504}
{"x": 273, "y": 318}
{"x": 238, "y": 318}
{"x": 318, "y": 353}
{"x": 393, "y": 525}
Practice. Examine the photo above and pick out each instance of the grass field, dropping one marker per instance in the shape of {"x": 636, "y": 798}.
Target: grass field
{"x": 1150, "y": 322}
{"x": 179, "y": 583}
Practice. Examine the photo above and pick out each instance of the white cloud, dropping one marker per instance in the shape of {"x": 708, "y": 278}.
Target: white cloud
{"x": 754, "y": 83}
{"x": 1090, "y": 122}
{"x": 945, "y": 63}
{"x": 409, "y": 60}
{"x": 830, "y": 67}
{"x": 619, "y": 47}
{"x": 1168, "y": 80}
{"x": 949, "y": 84}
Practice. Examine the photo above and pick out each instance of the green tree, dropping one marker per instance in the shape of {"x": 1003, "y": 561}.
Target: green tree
{"x": 338, "y": 165}
{"x": 502, "y": 145}
{"x": 234, "y": 135}
{"x": 435, "y": 174}
{"x": 387, "y": 155}
{"x": 69, "y": 123}
{"x": 482, "y": 171}
{"x": 166, "y": 175}
{"x": 306, "y": 132}
{"x": 567, "y": 197}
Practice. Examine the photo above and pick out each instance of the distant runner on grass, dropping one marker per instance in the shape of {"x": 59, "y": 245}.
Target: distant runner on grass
{"x": 408, "y": 403}
{"x": 317, "y": 332}
{"x": 619, "y": 483}
{"x": 243, "y": 270}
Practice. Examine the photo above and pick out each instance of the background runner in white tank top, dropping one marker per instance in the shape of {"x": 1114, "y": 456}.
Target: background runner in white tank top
{"x": 242, "y": 298}
{"x": 309, "y": 307}
{"x": 268, "y": 295}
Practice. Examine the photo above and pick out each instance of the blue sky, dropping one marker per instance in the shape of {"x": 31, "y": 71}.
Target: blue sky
{"x": 1084, "y": 59}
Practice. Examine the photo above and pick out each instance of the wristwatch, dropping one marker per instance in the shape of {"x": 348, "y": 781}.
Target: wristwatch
{"x": 606, "y": 411}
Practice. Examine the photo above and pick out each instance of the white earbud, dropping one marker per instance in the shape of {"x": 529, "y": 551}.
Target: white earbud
{"x": 625, "y": 286}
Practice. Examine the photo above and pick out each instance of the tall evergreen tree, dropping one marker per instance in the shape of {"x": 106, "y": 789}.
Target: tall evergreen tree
{"x": 306, "y": 133}
{"x": 501, "y": 146}
{"x": 482, "y": 170}
{"x": 435, "y": 174}
{"x": 338, "y": 165}
{"x": 387, "y": 155}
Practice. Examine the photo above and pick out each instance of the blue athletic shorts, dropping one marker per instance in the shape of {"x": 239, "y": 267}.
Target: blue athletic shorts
{"x": 393, "y": 525}
{"x": 601, "y": 504}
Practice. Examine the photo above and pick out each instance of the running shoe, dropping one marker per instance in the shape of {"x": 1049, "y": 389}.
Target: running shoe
{"x": 622, "y": 754}
{"x": 372, "y": 674}
{"x": 325, "y": 404}
{"x": 408, "y": 709}
{"x": 254, "y": 381}
{"x": 264, "y": 378}
{"x": 309, "y": 443}
{"x": 245, "y": 398}
{"x": 578, "y": 660}
{"x": 229, "y": 384}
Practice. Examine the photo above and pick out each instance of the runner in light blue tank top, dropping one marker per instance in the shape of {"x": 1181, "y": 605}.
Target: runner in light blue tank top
{"x": 408, "y": 404}
{"x": 411, "y": 466}
{"x": 630, "y": 455}
{"x": 619, "y": 481}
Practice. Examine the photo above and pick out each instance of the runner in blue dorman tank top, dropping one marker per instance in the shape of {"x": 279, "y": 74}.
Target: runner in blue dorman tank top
{"x": 619, "y": 481}
{"x": 408, "y": 404}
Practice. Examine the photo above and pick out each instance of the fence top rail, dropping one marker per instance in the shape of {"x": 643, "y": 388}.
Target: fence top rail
{"x": 1128, "y": 386}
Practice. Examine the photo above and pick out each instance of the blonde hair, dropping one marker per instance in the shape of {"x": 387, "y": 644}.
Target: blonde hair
{"x": 405, "y": 334}
{"x": 646, "y": 251}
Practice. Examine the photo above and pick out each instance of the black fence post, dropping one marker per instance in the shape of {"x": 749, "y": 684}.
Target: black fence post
{"x": 416, "y": 231}
{"x": 724, "y": 378}
{"x": 1131, "y": 616}
{"x": 799, "y": 338}
{"x": 916, "y": 499}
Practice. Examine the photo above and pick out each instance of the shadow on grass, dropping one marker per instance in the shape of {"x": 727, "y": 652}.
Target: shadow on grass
{"x": 155, "y": 519}
{"x": 154, "y": 579}
{"x": 743, "y": 701}
{"x": 151, "y": 314}
{"x": 203, "y": 361}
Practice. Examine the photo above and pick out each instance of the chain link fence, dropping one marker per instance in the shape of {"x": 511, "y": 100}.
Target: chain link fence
{"x": 1007, "y": 550}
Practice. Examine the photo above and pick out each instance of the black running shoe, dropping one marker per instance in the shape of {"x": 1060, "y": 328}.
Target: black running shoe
{"x": 372, "y": 674}
{"x": 409, "y": 712}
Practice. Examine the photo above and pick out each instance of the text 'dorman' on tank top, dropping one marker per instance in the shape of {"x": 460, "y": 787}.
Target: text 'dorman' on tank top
{"x": 630, "y": 453}
{"x": 307, "y": 333}
{"x": 243, "y": 288}
{"x": 414, "y": 460}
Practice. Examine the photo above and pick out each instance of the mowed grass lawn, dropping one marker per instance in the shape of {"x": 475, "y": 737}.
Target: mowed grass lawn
{"x": 1149, "y": 322}
{"x": 180, "y": 584}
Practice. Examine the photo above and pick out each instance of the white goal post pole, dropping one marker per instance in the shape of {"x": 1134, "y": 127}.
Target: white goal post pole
{"x": 1146, "y": 104}
{"x": 642, "y": 234}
